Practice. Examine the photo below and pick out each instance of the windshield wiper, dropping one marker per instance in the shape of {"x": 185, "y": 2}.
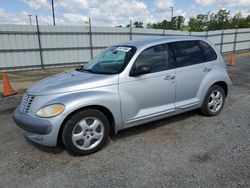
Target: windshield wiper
{"x": 81, "y": 69}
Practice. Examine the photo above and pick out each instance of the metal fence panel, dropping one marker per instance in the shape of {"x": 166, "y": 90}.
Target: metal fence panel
{"x": 71, "y": 45}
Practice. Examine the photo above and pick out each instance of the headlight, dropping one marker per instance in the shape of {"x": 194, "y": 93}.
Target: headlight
{"x": 50, "y": 110}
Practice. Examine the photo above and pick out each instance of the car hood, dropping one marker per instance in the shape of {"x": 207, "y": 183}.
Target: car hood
{"x": 71, "y": 81}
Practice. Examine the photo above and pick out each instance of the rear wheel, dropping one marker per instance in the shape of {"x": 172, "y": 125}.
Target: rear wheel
{"x": 86, "y": 132}
{"x": 214, "y": 101}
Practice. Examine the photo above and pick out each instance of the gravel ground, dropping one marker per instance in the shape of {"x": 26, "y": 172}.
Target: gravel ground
{"x": 187, "y": 150}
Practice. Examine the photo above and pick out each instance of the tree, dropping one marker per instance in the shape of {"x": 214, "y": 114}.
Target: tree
{"x": 149, "y": 26}
{"x": 202, "y": 22}
{"x": 193, "y": 24}
{"x": 165, "y": 24}
{"x": 219, "y": 20}
{"x": 174, "y": 23}
{"x": 180, "y": 22}
{"x": 138, "y": 24}
{"x": 247, "y": 21}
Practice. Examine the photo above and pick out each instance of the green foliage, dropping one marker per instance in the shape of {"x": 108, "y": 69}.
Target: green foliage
{"x": 202, "y": 22}
{"x": 217, "y": 21}
{"x": 138, "y": 24}
{"x": 176, "y": 23}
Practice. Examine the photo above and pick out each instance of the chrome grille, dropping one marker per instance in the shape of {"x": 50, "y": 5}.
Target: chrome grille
{"x": 26, "y": 103}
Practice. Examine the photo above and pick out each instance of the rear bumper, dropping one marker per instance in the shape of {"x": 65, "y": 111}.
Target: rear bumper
{"x": 31, "y": 124}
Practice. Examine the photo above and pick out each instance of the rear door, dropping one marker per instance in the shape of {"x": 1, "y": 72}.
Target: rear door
{"x": 192, "y": 65}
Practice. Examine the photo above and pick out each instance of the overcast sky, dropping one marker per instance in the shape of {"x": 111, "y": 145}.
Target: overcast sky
{"x": 111, "y": 12}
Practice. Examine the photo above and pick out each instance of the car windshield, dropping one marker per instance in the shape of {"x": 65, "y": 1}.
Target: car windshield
{"x": 111, "y": 61}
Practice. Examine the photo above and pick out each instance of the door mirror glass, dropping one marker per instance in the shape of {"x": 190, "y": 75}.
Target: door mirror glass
{"x": 143, "y": 69}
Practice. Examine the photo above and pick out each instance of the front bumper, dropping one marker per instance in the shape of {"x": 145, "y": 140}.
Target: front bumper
{"x": 42, "y": 131}
{"x": 31, "y": 124}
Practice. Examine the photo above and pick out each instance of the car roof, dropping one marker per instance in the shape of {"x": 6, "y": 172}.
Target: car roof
{"x": 145, "y": 42}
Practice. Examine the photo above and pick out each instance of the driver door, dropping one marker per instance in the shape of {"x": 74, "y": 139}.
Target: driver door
{"x": 149, "y": 96}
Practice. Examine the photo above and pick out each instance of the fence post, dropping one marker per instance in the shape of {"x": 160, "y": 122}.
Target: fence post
{"x": 90, "y": 39}
{"x": 249, "y": 40}
{"x": 206, "y": 34}
{"x": 221, "y": 40}
{"x": 39, "y": 43}
{"x": 164, "y": 32}
{"x": 130, "y": 31}
{"x": 190, "y": 33}
{"x": 235, "y": 38}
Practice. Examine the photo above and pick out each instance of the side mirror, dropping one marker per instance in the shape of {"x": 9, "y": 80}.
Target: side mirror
{"x": 143, "y": 69}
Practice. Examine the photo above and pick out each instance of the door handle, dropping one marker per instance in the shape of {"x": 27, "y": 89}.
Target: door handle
{"x": 169, "y": 77}
{"x": 206, "y": 69}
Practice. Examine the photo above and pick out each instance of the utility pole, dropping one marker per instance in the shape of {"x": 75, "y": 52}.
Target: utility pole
{"x": 171, "y": 21}
{"x": 30, "y": 18}
{"x": 53, "y": 12}
{"x": 39, "y": 42}
{"x": 172, "y": 9}
{"x": 90, "y": 39}
{"x": 130, "y": 30}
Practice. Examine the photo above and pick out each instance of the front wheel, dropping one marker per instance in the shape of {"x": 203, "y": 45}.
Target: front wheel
{"x": 214, "y": 101}
{"x": 86, "y": 132}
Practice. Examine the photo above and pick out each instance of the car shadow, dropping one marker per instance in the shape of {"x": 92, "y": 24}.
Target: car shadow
{"x": 123, "y": 133}
{"x": 53, "y": 150}
{"x": 153, "y": 125}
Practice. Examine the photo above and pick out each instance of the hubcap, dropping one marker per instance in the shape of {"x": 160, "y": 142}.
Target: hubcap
{"x": 215, "y": 101}
{"x": 88, "y": 133}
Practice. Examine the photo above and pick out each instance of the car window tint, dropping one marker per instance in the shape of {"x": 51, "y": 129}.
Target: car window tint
{"x": 187, "y": 53}
{"x": 155, "y": 57}
{"x": 209, "y": 53}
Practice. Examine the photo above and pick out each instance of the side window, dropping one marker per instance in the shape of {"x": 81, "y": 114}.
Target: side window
{"x": 209, "y": 53}
{"x": 187, "y": 53}
{"x": 155, "y": 57}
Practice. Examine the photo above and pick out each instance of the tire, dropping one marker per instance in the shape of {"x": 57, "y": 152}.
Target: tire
{"x": 213, "y": 101}
{"x": 85, "y": 132}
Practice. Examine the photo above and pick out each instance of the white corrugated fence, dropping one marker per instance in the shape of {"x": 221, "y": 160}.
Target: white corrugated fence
{"x": 28, "y": 47}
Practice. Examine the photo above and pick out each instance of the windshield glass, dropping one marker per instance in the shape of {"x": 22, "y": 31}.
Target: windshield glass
{"x": 111, "y": 61}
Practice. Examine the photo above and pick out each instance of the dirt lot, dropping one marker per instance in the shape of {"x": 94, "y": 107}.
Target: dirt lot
{"x": 187, "y": 150}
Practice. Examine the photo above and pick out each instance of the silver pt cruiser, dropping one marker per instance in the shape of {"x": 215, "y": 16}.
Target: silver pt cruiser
{"x": 124, "y": 86}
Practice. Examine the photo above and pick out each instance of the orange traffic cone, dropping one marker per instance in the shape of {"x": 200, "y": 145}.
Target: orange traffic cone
{"x": 7, "y": 89}
{"x": 231, "y": 62}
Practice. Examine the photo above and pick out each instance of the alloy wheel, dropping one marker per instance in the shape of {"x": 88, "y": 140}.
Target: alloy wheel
{"x": 215, "y": 101}
{"x": 88, "y": 133}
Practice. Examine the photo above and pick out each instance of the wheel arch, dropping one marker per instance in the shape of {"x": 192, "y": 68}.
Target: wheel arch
{"x": 223, "y": 85}
{"x": 100, "y": 108}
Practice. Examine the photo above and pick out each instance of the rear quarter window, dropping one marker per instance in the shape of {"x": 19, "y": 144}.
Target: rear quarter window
{"x": 208, "y": 51}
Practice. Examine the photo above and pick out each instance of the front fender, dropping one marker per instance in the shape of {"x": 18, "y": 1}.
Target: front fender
{"x": 107, "y": 97}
